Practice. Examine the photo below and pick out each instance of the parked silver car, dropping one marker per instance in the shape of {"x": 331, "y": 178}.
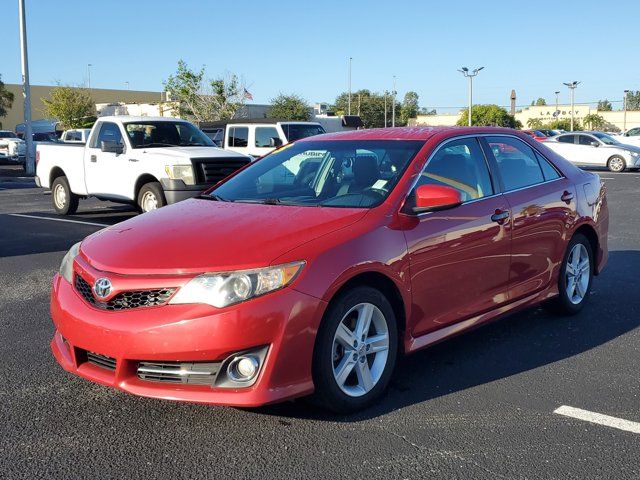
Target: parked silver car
{"x": 595, "y": 149}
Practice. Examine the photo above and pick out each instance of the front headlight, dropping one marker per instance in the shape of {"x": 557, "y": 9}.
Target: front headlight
{"x": 181, "y": 172}
{"x": 66, "y": 267}
{"x": 635, "y": 154}
{"x": 224, "y": 289}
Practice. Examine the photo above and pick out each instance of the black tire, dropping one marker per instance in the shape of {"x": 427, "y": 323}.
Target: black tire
{"x": 65, "y": 202}
{"x": 151, "y": 189}
{"x": 328, "y": 394}
{"x": 614, "y": 162}
{"x": 562, "y": 304}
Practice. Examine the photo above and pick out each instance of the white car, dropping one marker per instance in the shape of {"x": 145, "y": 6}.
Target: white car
{"x": 596, "y": 149}
{"x": 11, "y": 147}
{"x": 139, "y": 160}
{"x": 630, "y": 137}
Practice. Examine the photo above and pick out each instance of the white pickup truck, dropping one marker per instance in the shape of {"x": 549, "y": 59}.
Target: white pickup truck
{"x": 145, "y": 161}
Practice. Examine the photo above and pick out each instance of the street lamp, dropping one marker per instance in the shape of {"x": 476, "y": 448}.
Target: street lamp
{"x": 393, "y": 105}
{"x": 30, "y": 166}
{"x": 572, "y": 86}
{"x": 386, "y": 94}
{"x": 349, "y": 109}
{"x": 127, "y": 85}
{"x": 89, "y": 75}
{"x": 470, "y": 74}
{"x": 624, "y": 103}
{"x": 557, "y": 111}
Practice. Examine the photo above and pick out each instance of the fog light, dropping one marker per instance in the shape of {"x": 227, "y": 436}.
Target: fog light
{"x": 243, "y": 368}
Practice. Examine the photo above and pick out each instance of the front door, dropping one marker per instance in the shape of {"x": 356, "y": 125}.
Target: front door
{"x": 459, "y": 257}
{"x": 106, "y": 172}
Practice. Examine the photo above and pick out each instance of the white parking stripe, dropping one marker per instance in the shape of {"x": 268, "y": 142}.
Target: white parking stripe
{"x": 598, "y": 418}
{"x": 57, "y": 219}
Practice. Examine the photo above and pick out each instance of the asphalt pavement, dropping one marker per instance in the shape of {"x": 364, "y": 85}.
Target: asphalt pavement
{"x": 478, "y": 406}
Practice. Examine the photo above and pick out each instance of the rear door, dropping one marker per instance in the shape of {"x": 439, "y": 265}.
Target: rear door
{"x": 106, "y": 173}
{"x": 459, "y": 257}
{"x": 542, "y": 202}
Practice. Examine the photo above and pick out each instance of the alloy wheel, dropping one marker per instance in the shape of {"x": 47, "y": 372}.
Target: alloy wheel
{"x": 616, "y": 164}
{"x": 578, "y": 272}
{"x": 360, "y": 349}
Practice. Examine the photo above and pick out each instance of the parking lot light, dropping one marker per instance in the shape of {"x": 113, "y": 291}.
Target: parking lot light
{"x": 572, "y": 86}
{"x": 470, "y": 74}
{"x": 624, "y": 106}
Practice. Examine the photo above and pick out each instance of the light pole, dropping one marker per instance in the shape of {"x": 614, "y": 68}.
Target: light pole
{"x": 89, "y": 75}
{"x": 470, "y": 74}
{"x": 572, "y": 86}
{"x": 624, "y": 103}
{"x": 127, "y": 85}
{"x": 385, "y": 108}
{"x": 26, "y": 92}
{"x": 393, "y": 105}
{"x": 349, "y": 109}
{"x": 557, "y": 112}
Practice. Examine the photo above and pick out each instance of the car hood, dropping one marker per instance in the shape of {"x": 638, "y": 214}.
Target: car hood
{"x": 191, "y": 152}
{"x": 631, "y": 148}
{"x": 197, "y": 236}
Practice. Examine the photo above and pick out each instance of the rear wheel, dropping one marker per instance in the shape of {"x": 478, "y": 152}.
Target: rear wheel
{"x": 355, "y": 350}
{"x": 616, "y": 164}
{"x": 151, "y": 197}
{"x": 65, "y": 202}
{"x": 576, "y": 275}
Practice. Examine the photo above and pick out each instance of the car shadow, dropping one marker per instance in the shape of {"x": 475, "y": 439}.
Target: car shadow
{"x": 516, "y": 344}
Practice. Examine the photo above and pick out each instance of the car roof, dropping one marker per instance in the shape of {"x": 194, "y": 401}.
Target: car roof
{"x": 131, "y": 118}
{"x": 406, "y": 133}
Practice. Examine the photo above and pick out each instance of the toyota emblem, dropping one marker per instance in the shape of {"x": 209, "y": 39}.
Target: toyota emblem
{"x": 102, "y": 287}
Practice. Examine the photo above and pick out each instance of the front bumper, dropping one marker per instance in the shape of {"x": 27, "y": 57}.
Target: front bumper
{"x": 176, "y": 190}
{"x": 286, "y": 321}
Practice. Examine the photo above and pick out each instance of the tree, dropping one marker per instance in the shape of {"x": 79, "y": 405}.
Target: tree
{"x": 604, "y": 105}
{"x": 205, "y": 100}
{"x": 564, "y": 124}
{"x": 594, "y": 121}
{"x": 72, "y": 106}
{"x": 409, "y": 108}
{"x": 6, "y": 99}
{"x": 633, "y": 100}
{"x": 426, "y": 111}
{"x": 535, "y": 123}
{"x": 369, "y": 106}
{"x": 489, "y": 115}
{"x": 290, "y": 107}
{"x": 540, "y": 102}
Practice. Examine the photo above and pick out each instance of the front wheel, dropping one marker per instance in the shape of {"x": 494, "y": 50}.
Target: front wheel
{"x": 576, "y": 275}
{"x": 151, "y": 197}
{"x": 355, "y": 350}
{"x": 65, "y": 202}
{"x": 616, "y": 164}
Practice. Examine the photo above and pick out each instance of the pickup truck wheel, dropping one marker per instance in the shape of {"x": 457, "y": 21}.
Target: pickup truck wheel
{"x": 65, "y": 202}
{"x": 151, "y": 197}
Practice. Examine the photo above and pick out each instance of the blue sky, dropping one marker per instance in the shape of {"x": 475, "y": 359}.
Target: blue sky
{"x": 303, "y": 47}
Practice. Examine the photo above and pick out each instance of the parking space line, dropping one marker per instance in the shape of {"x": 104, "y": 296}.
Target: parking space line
{"x": 57, "y": 219}
{"x": 600, "y": 419}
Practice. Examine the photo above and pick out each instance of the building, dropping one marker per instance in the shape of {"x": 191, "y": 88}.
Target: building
{"x": 15, "y": 115}
{"x": 546, "y": 113}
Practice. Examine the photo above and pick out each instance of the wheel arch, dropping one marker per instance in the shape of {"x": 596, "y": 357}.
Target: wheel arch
{"x": 592, "y": 236}
{"x": 140, "y": 182}
{"x": 55, "y": 172}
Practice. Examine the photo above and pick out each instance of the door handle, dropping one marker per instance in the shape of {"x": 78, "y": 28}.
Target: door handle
{"x": 566, "y": 197}
{"x": 94, "y": 159}
{"x": 500, "y": 216}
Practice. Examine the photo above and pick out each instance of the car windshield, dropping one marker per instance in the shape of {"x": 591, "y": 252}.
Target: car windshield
{"x": 606, "y": 139}
{"x": 331, "y": 173}
{"x": 165, "y": 134}
{"x": 8, "y": 135}
{"x": 297, "y": 131}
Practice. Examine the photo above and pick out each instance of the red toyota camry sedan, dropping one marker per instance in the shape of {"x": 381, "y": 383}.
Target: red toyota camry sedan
{"x": 312, "y": 269}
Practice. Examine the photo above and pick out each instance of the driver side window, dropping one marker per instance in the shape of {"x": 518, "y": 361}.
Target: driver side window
{"x": 461, "y": 165}
{"x": 108, "y": 132}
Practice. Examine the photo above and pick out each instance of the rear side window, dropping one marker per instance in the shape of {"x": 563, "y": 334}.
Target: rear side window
{"x": 108, "y": 132}
{"x": 238, "y": 136}
{"x": 461, "y": 165}
{"x": 586, "y": 140}
{"x": 517, "y": 162}
{"x": 264, "y": 136}
{"x": 566, "y": 138}
{"x": 548, "y": 170}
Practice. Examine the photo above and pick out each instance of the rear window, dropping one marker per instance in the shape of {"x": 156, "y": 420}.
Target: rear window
{"x": 238, "y": 136}
{"x": 517, "y": 162}
{"x": 296, "y": 131}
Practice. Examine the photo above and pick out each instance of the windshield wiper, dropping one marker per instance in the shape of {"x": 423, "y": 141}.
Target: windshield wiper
{"x": 267, "y": 201}
{"x": 193, "y": 145}
{"x": 213, "y": 196}
{"x": 156, "y": 144}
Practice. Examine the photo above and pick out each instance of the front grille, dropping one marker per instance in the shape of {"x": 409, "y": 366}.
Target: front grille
{"x": 101, "y": 360}
{"x": 194, "y": 373}
{"x": 212, "y": 170}
{"x": 125, "y": 300}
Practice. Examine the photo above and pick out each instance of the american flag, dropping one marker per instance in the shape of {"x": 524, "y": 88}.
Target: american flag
{"x": 247, "y": 94}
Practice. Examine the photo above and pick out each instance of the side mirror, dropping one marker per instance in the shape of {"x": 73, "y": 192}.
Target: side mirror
{"x": 275, "y": 142}
{"x": 111, "y": 146}
{"x": 431, "y": 198}
{"x": 594, "y": 144}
